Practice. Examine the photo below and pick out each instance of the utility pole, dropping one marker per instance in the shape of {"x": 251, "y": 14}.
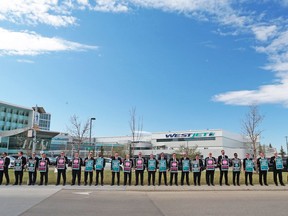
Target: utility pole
{"x": 90, "y": 143}
{"x": 286, "y": 145}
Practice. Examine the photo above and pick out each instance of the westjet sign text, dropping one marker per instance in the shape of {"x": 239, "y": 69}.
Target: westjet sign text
{"x": 190, "y": 135}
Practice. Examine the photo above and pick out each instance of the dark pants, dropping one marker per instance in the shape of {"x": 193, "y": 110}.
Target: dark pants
{"x": 126, "y": 176}
{"x": 197, "y": 178}
{"x": 113, "y": 178}
{"x": 5, "y": 172}
{"x": 248, "y": 174}
{"x": 86, "y": 177}
{"x": 76, "y": 174}
{"x": 183, "y": 175}
{"x": 165, "y": 178}
{"x": 175, "y": 176}
{"x": 101, "y": 172}
{"x": 32, "y": 178}
{"x": 18, "y": 177}
{"x": 141, "y": 173}
{"x": 236, "y": 177}
{"x": 210, "y": 177}
{"x": 279, "y": 173}
{"x": 225, "y": 174}
{"x": 43, "y": 175}
{"x": 262, "y": 176}
{"x": 59, "y": 173}
{"x": 151, "y": 174}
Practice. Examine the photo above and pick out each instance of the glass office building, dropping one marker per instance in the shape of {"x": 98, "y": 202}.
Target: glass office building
{"x": 21, "y": 128}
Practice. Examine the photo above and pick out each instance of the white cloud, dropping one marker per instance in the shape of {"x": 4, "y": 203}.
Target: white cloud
{"x": 30, "y": 43}
{"x": 266, "y": 94}
{"x": 271, "y": 35}
{"x": 33, "y": 12}
{"x": 25, "y": 61}
{"x": 263, "y": 33}
{"x": 111, "y": 6}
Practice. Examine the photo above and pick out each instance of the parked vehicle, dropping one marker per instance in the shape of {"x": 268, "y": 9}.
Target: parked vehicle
{"x": 108, "y": 164}
{"x": 52, "y": 160}
{"x": 12, "y": 162}
{"x": 285, "y": 169}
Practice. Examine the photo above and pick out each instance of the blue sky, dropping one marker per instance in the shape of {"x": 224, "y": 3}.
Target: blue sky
{"x": 184, "y": 64}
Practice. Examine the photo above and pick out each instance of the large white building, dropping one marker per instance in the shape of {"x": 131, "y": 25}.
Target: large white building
{"x": 207, "y": 141}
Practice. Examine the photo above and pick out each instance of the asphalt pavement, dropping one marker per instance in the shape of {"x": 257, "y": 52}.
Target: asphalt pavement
{"x": 143, "y": 200}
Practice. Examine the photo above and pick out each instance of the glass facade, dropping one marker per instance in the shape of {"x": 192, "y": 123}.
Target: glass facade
{"x": 44, "y": 121}
{"x": 16, "y": 121}
{"x": 12, "y": 118}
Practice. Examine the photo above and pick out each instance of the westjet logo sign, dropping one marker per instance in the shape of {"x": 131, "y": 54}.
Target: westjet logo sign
{"x": 190, "y": 135}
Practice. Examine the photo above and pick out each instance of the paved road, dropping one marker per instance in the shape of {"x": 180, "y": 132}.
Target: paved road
{"x": 51, "y": 200}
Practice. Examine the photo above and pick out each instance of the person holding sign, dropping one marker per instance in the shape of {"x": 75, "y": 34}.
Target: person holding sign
{"x": 210, "y": 163}
{"x": 99, "y": 167}
{"x": 236, "y": 166}
{"x": 248, "y": 166}
{"x": 43, "y": 167}
{"x": 223, "y": 164}
{"x": 162, "y": 164}
{"x": 277, "y": 168}
{"x": 89, "y": 164}
{"x": 4, "y": 165}
{"x": 115, "y": 168}
{"x": 197, "y": 167}
{"x": 185, "y": 168}
{"x": 128, "y": 164}
{"x": 139, "y": 169}
{"x": 76, "y": 169}
{"x": 32, "y": 168}
{"x": 61, "y": 168}
{"x": 20, "y": 163}
{"x": 263, "y": 167}
{"x": 173, "y": 167}
{"x": 152, "y": 164}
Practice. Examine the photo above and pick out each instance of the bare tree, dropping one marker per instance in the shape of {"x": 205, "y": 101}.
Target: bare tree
{"x": 136, "y": 127}
{"x": 78, "y": 131}
{"x": 251, "y": 125}
{"x": 191, "y": 151}
{"x": 282, "y": 152}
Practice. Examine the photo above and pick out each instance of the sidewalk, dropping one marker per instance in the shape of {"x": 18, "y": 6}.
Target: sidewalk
{"x": 155, "y": 188}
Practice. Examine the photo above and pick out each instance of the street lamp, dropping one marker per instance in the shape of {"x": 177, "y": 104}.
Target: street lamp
{"x": 91, "y": 119}
{"x": 286, "y": 145}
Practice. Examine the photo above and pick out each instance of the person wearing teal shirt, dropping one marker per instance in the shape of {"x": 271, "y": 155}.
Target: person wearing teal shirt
{"x": 248, "y": 167}
{"x": 236, "y": 169}
{"x": 162, "y": 164}
{"x": 89, "y": 164}
{"x": 185, "y": 168}
{"x": 197, "y": 167}
{"x": 99, "y": 167}
{"x": 277, "y": 162}
{"x": 263, "y": 167}
{"x": 115, "y": 168}
{"x": 152, "y": 164}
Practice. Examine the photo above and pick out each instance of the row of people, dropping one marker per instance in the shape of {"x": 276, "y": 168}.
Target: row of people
{"x": 173, "y": 165}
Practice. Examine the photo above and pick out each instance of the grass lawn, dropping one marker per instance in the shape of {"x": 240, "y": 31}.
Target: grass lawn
{"x": 107, "y": 177}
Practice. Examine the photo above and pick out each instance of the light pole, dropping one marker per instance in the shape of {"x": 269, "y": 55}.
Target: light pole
{"x": 91, "y": 119}
{"x": 286, "y": 145}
